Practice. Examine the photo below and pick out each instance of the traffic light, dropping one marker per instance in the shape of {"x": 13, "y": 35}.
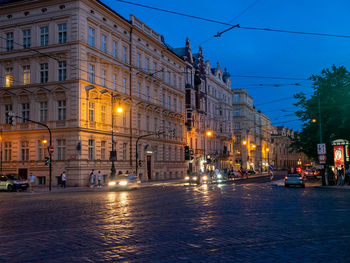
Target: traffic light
{"x": 173, "y": 132}
{"x": 11, "y": 119}
{"x": 47, "y": 161}
{"x": 191, "y": 155}
{"x": 140, "y": 163}
{"x": 187, "y": 152}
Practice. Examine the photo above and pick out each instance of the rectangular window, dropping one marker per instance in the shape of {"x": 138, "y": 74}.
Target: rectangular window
{"x": 124, "y": 119}
{"x": 124, "y": 151}
{"x": 237, "y": 125}
{"x": 42, "y": 150}
{"x": 147, "y": 123}
{"x": 62, "y": 70}
{"x": 91, "y": 37}
{"x": 9, "y": 77}
{"x": 26, "y": 75}
{"x": 114, "y": 49}
{"x": 124, "y": 86}
{"x": 163, "y": 100}
{"x": 155, "y": 124}
{"x": 43, "y": 111}
{"x": 24, "y": 151}
{"x": 139, "y": 121}
{"x": 9, "y": 41}
{"x": 61, "y": 150}
{"x": 91, "y": 149}
{"x": 91, "y": 111}
{"x": 138, "y": 60}
{"x": 103, "y": 150}
{"x": 44, "y": 72}
{"x": 237, "y": 113}
{"x": 25, "y": 112}
{"x": 62, "y": 33}
{"x": 103, "y": 114}
{"x": 61, "y": 110}
{"x": 147, "y": 93}
{"x": 169, "y": 103}
{"x": 175, "y": 104}
{"x": 147, "y": 64}
{"x": 8, "y": 108}
{"x": 114, "y": 81}
{"x": 155, "y": 99}
{"x": 91, "y": 73}
{"x": 180, "y": 106}
{"x": 124, "y": 54}
{"x": 44, "y": 36}
{"x": 138, "y": 90}
{"x": 7, "y": 151}
{"x": 236, "y": 98}
{"x": 163, "y": 159}
{"x": 103, "y": 43}
{"x": 155, "y": 68}
{"x": 26, "y": 38}
{"x": 103, "y": 77}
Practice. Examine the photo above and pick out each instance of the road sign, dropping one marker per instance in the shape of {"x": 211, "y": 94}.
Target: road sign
{"x": 11, "y": 113}
{"x": 51, "y": 149}
{"x": 322, "y": 158}
{"x": 321, "y": 148}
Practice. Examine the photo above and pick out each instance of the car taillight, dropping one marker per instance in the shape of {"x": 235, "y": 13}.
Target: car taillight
{"x": 301, "y": 178}
{"x": 285, "y": 178}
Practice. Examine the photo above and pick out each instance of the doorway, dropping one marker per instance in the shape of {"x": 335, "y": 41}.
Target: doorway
{"x": 149, "y": 167}
{"x": 23, "y": 173}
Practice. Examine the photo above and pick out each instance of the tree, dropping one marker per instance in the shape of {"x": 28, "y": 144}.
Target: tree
{"x": 331, "y": 100}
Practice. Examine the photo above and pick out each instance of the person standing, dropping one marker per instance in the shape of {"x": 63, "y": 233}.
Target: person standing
{"x": 31, "y": 181}
{"x": 92, "y": 178}
{"x": 63, "y": 178}
{"x": 99, "y": 178}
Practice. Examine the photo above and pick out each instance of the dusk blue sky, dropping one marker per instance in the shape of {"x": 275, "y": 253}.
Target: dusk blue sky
{"x": 248, "y": 52}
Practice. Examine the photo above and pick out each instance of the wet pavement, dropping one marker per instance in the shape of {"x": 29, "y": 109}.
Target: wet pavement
{"x": 243, "y": 221}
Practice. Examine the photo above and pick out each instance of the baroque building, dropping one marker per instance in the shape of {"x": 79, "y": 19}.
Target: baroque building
{"x": 70, "y": 65}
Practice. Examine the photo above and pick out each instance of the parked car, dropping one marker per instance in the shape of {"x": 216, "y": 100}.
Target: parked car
{"x": 294, "y": 179}
{"x": 124, "y": 181}
{"x": 195, "y": 178}
{"x": 250, "y": 172}
{"x": 12, "y": 182}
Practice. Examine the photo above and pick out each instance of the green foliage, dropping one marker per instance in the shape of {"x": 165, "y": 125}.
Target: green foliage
{"x": 332, "y": 91}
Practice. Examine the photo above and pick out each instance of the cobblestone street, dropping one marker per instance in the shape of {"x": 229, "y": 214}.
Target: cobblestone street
{"x": 244, "y": 222}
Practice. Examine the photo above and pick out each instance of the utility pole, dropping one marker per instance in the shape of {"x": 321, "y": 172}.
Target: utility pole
{"x": 320, "y": 130}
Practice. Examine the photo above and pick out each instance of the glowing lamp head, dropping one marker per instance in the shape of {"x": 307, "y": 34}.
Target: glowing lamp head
{"x": 313, "y": 120}
{"x": 209, "y": 133}
{"x": 44, "y": 141}
{"x": 244, "y": 142}
{"x": 267, "y": 149}
{"x": 119, "y": 109}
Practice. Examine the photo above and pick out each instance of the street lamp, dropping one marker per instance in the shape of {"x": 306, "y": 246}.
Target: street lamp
{"x": 268, "y": 157}
{"x": 207, "y": 134}
{"x": 113, "y": 154}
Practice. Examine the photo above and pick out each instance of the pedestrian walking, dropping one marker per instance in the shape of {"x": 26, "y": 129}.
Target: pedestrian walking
{"x": 99, "y": 178}
{"x": 31, "y": 182}
{"x": 92, "y": 178}
{"x": 63, "y": 179}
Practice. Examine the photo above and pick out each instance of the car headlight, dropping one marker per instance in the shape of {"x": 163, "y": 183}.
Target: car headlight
{"x": 123, "y": 183}
{"x": 205, "y": 177}
{"x": 187, "y": 178}
{"x": 111, "y": 183}
{"x": 219, "y": 176}
{"x": 194, "y": 177}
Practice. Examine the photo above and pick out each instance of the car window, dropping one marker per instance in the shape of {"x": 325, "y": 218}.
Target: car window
{"x": 293, "y": 175}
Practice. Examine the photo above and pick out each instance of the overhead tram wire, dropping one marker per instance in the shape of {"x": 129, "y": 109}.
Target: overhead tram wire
{"x": 238, "y": 26}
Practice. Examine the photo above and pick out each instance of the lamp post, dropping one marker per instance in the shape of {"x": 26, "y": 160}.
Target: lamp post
{"x": 244, "y": 142}
{"x": 268, "y": 157}
{"x": 209, "y": 134}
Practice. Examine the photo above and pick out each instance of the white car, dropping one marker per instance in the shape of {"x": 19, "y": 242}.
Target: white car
{"x": 124, "y": 181}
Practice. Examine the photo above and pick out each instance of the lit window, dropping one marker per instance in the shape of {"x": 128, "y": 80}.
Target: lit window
{"x": 44, "y": 36}
{"x": 9, "y": 77}
{"x": 62, "y": 70}
{"x": 103, "y": 150}
{"x": 91, "y": 36}
{"x": 44, "y": 72}
{"x": 9, "y": 41}
{"x": 61, "y": 105}
{"x": 26, "y": 38}
{"x": 62, "y": 33}
{"x": 26, "y": 75}
{"x": 103, "y": 114}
